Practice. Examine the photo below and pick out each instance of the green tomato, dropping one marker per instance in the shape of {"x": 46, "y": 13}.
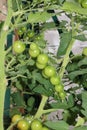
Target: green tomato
{"x": 15, "y": 118}
{"x": 84, "y": 3}
{"x": 55, "y": 80}
{"x": 30, "y": 34}
{"x": 33, "y": 46}
{"x": 29, "y": 118}
{"x": 23, "y": 29}
{"x": 23, "y": 125}
{"x": 20, "y": 32}
{"x": 62, "y": 95}
{"x": 18, "y": 47}
{"x": 84, "y": 52}
{"x": 40, "y": 66}
{"x": 59, "y": 88}
{"x": 42, "y": 59}
{"x": 49, "y": 71}
{"x": 36, "y": 125}
{"x": 43, "y": 74}
{"x": 34, "y": 53}
{"x": 45, "y": 128}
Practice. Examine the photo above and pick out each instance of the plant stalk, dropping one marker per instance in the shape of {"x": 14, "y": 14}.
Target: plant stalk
{"x": 3, "y": 83}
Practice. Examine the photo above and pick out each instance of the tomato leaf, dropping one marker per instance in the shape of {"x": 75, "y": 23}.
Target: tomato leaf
{"x": 57, "y": 125}
{"x": 64, "y": 42}
{"x": 81, "y": 128}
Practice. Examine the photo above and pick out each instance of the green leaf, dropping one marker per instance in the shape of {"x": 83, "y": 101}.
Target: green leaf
{"x": 64, "y": 42}
{"x": 38, "y": 17}
{"x": 81, "y": 128}
{"x": 81, "y": 37}
{"x": 72, "y": 7}
{"x": 84, "y": 103}
{"x": 82, "y": 62}
{"x": 18, "y": 99}
{"x": 57, "y": 125}
{"x": 74, "y": 74}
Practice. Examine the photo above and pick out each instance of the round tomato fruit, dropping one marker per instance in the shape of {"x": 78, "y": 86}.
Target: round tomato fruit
{"x": 18, "y": 47}
{"x": 45, "y": 128}
{"x": 55, "y": 80}
{"x": 34, "y": 53}
{"x": 49, "y": 71}
{"x": 33, "y": 46}
{"x": 42, "y": 59}
{"x": 36, "y": 125}
{"x": 15, "y": 118}
{"x": 40, "y": 66}
{"x": 84, "y": 3}
{"x": 62, "y": 95}
{"x": 23, "y": 125}
{"x": 59, "y": 88}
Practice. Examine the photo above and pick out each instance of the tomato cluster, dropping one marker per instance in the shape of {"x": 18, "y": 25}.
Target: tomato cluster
{"x": 42, "y": 62}
{"x": 28, "y": 123}
{"x": 48, "y": 71}
{"x": 83, "y": 3}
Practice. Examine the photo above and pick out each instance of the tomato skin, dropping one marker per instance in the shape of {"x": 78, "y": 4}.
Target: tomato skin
{"x": 18, "y": 47}
{"x": 84, "y": 52}
{"x": 59, "y": 88}
{"x": 36, "y": 125}
{"x": 15, "y": 118}
{"x": 34, "y": 53}
{"x": 33, "y": 46}
{"x": 45, "y": 128}
{"x": 49, "y": 71}
{"x": 42, "y": 58}
{"x": 40, "y": 66}
{"x": 55, "y": 80}
{"x": 23, "y": 125}
{"x": 84, "y": 3}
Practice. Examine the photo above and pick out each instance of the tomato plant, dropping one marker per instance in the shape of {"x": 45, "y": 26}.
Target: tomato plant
{"x": 42, "y": 80}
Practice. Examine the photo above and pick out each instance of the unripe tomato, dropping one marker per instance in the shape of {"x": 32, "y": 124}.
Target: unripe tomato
{"x": 36, "y": 125}
{"x": 33, "y": 46}
{"x": 84, "y": 51}
{"x": 42, "y": 59}
{"x": 62, "y": 95}
{"x": 34, "y": 53}
{"x": 84, "y": 3}
{"x": 18, "y": 47}
{"x": 49, "y": 71}
{"x": 15, "y": 118}
{"x": 55, "y": 80}
{"x": 45, "y": 128}
{"x": 23, "y": 125}
{"x": 59, "y": 88}
{"x": 44, "y": 74}
{"x": 40, "y": 66}
{"x": 30, "y": 34}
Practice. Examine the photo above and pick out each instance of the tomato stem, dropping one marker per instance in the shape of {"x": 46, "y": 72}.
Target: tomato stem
{"x": 41, "y": 107}
{"x": 3, "y": 82}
